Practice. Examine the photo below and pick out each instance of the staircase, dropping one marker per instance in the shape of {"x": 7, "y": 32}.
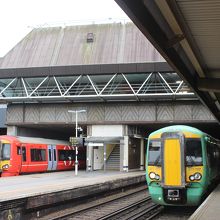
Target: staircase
{"x": 113, "y": 162}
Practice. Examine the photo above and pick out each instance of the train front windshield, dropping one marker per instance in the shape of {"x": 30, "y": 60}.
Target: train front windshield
{"x": 5, "y": 151}
{"x": 193, "y": 152}
{"x": 154, "y": 153}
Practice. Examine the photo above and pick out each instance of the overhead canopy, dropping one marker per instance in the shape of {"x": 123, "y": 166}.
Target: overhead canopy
{"x": 187, "y": 35}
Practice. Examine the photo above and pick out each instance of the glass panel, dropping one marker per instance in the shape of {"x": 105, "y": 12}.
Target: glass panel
{"x": 50, "y": 155}
{"x": 193, "y": 152}
{"x": 6, "y": 151}
{"x": 23, "y": 153}
{"x": 154, "y": 153}
{"x": 54, "y": 153}
{"x": 66, "y": 155}
{"x": 38, "y": 155}
{"x": 18, "y": 150}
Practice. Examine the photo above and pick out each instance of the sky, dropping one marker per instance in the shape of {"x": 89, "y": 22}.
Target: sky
{"x": 19, "y": 17}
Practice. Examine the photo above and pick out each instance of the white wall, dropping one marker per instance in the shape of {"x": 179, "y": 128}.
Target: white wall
{"x": 107, "y": 130}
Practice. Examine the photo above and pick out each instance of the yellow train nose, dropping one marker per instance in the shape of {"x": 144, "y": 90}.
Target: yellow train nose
{"x": 172, "y": 162}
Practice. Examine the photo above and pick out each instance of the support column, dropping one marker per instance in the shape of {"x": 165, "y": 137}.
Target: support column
{"x": 142, "y": 154}
{"x": 12, "y": 130}
{"x": 125, "y": 153}
{"x": 105, "y": 157}
{"x": 89, "y": 159}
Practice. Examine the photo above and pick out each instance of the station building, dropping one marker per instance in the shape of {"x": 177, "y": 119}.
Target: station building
{"x": 109, "y": 70}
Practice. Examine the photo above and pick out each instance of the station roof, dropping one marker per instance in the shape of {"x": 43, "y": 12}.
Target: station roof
{"x": 187, "y": 35}
{"x": 98, "y": 62}
{"x": 113, "y": 43}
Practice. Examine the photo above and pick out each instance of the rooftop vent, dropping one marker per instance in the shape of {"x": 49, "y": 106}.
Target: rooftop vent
{"x": 90, "y": 38}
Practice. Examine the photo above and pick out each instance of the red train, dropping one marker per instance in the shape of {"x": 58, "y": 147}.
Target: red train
{"x": 29, "y": 155}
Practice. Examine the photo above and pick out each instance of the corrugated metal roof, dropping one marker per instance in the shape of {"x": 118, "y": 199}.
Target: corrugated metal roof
{"x": 203, "y": 19}
{"x": 57, "y": 46}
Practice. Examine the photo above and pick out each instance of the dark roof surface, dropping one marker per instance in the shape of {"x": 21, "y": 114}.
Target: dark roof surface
{"x": 113, "y": 43}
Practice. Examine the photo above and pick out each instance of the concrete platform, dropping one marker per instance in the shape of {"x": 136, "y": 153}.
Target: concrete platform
{"x": 210, "y": 208}
{"x": 21, "y": 194}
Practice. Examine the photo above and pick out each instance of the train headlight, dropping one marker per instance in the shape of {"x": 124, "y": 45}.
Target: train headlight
{"x": 192, "y": 178}
{"x": 152, "y": 175}
{"x": 196, "y": 176}
{"x": 157, "y": 177}
{"x": 5, "y": 167}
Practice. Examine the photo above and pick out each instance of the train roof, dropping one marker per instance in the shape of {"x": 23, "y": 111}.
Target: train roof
{"x": 35, "y": 140}
{"x": 176, "y": 128}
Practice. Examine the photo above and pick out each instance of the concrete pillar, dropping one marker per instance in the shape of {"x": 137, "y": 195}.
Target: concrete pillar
{"x": 142, "y": 154}
{"x": 105, "y": 157}
{"x": 12, "y": 130}
{"x": 125, "y": 153}
{"x": 89, "y": 159}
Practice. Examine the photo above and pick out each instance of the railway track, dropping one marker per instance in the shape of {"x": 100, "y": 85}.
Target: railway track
{"x": 131, "y": 204}
{"x": 141, "y": 209}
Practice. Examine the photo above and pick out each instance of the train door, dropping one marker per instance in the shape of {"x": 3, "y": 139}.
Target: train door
{"x": 52, "y": 157}
{"x": 172, "y": 162}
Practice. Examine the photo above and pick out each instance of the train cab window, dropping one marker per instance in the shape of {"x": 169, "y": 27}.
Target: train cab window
{"x": 24, "y": 158}
{"x": 38, "y": 155}
{"x": 154, "y": 153}
{"x": 193, "y": 152}
{"x": 66, "y": 155}
{"x": 6, "y": 151}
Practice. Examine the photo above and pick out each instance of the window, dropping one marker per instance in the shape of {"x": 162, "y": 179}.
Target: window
{"x": 154, "y": 153}
{"x": 24, "y": 154}
{"x": 213, "y": 154}
{"x": 66, "y": 155}
{"x": 54, "y": 153}
{"x": 6, "y": 151}
{"x": 38, "y": 155}
{"x": 193, "y": 152}
{"x": 50, "y": 155}
{"x": 18, "y": 150}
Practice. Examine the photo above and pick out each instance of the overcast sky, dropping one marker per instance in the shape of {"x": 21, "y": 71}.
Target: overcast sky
{"x": 18, "y": 17}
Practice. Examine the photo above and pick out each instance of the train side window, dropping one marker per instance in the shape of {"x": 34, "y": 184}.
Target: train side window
{"x": 66, "y": 155}
{"x": 24, "y": 154}
{"x": 18, "y": 150}
{"x": 38, "y": 154}
{"x": 154, "y": 153}
{"x": 212, "y": 155}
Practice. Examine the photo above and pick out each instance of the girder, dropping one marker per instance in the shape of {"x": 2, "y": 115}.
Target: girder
{"x": 110, "y": 87}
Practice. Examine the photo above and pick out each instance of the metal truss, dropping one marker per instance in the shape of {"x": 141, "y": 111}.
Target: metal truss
{"x": 110, "y": 87}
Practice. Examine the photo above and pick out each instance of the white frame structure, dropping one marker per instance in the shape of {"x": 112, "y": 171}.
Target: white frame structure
{"x": 92, "y": 87}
